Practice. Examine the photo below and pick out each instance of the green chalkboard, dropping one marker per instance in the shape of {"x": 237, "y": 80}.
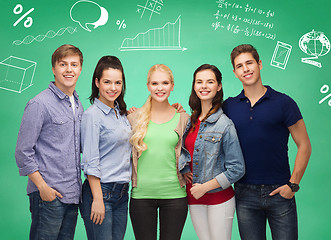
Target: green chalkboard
{"x": 291, "y": 37}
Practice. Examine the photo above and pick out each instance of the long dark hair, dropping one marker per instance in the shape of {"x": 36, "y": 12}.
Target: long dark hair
{"x": 105, "y": 63}
{"x": 195, "y": 102}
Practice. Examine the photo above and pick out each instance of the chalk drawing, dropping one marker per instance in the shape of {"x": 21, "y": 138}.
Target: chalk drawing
{"x": 16, "y": 74}
{"x": 83, "y": 22}
{"x": 50, "y": 34}
{"x": 315, "y": 44}
{"x": 325, "y": 89}
{"x": 164, "y": 38}
{"x": 151, "y": 6}
{"x": 281, "y": 55}
{"x": 18, "y": 10}
{"x": 121, "y": 24}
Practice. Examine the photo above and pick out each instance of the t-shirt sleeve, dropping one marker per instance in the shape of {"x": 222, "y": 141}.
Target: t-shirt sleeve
{"x": 291, "y": 111}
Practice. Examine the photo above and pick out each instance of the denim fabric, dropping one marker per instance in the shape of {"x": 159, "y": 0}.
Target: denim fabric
{"x": 254, "y": 207}
{"x": 115, "y": 198}
{"x": 217, "y": 153}
{"x": 144, "y": 214}
{"x": 52, "y": 220}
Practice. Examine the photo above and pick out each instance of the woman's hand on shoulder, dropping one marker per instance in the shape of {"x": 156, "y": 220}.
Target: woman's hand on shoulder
{"x": 132, "y": 110}
{"x": 178, "y": 107}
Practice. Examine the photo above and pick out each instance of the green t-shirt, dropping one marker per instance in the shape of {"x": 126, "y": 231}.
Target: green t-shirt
{"x": 156, "y": 170}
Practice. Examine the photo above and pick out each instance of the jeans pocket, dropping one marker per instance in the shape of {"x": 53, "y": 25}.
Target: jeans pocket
{"x": 287, "y": 199}
{"x": 50, "y": 202}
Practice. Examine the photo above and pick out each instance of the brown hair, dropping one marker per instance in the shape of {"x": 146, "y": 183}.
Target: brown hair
{"x": 105, "y": 63}
{"x": 195, "y": 102}
{"x": 244, "y": 48}
{"x": 66, "y": 50}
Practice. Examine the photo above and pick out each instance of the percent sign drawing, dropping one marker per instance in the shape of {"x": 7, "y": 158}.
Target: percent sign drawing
{"x": 122, "y": 24}
{"x": 325, "y": 89}
{"x": 17, "y": 10}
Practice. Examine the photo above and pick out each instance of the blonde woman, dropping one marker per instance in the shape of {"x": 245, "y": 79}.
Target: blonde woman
{"x": 158, "y": 189}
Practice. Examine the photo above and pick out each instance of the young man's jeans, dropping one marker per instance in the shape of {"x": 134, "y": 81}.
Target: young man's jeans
{"x": 254, "y": 206}
{"x": 52, "y": 220}
{"x": 115, "y": 198}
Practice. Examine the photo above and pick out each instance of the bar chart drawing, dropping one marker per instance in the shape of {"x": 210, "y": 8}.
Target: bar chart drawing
{"x": 164, "y": 38}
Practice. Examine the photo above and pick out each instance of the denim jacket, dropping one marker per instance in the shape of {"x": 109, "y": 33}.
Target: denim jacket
{"x": 217, "y": 153}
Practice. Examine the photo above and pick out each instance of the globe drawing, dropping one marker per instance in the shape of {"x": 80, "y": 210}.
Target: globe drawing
{"x": 315, "y": 44}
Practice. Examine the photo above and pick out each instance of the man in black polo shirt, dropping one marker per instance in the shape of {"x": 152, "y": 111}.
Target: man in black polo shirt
{"x": 264, "y": 118}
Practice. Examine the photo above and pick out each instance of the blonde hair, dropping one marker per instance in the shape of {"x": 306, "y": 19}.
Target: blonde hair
{"x": 143, "y": 115}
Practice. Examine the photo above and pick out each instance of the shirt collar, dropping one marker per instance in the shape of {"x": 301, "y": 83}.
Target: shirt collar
{"x": 268, "y": 94}
{"x": 215, "y": 116}
{"x": 103, "y": 107}
{"x": 58, "y": 92}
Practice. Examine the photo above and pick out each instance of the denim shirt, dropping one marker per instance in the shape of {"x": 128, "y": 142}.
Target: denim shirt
{"x": 49, "y": 142}
{"x": 217, "y": 153}
{"x": 105, "y": 136}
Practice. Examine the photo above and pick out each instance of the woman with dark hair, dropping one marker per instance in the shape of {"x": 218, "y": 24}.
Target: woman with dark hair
{"x": 211, "y": 158}
{"x": 105, "y": 134}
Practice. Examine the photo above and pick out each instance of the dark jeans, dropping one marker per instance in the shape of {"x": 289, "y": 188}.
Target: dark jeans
{"x": 52, "y": 220}
{"x": 254, "y": 207}
{"x": 144, "y": 215}
{"x": 115, "y": 198}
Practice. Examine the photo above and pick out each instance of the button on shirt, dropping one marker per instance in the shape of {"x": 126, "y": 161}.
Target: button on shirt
{"x": 105, "y": 143}
{"x": 263, "y": 134}
{"x": 49, "y": 142}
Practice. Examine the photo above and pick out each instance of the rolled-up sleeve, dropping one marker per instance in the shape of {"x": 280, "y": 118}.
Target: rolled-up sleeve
{"x": 31, "y": 125}
{"x": 90, "y": 132}
{"x": 234, "y": 160}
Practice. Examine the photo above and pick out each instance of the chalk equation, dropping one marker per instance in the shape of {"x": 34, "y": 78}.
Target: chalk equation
{"x": 236, "y": 18}
{"x": 315, "y": 44}
{"x": 50, "y": 34}
{"x": 151, "y": 6}
{"x": 246, "y": 8}
{"x": 246, "y": 19}
{"x": 249, "y": 32}
{"x": 164, "y": 38}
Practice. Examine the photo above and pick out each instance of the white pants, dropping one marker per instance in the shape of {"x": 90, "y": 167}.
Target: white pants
{"x": 213, "y": 222}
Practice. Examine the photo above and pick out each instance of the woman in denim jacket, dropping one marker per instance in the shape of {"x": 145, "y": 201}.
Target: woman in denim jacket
{"x": 211, "y": 158}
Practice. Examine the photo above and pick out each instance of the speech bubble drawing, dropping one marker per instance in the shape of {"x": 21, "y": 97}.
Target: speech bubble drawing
{"x": 101, "y": 21}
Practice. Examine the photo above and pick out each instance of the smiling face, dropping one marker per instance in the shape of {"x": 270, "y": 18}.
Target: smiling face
{"x": 206, "y": 85}
{"x": 66, "y": 72}
{"x": 110, "y": 86}
{"x": 160, "y": 86}
{"x": 247, "y": 70}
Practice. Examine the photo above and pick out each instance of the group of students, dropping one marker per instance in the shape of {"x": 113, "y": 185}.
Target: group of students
{"x": 174, "y": 162}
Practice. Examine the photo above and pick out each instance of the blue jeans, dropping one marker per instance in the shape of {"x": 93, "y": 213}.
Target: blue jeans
{"x": 254, "y": 207}
{"x": 115, "y": 198}
{"x": 52, "y": 220}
